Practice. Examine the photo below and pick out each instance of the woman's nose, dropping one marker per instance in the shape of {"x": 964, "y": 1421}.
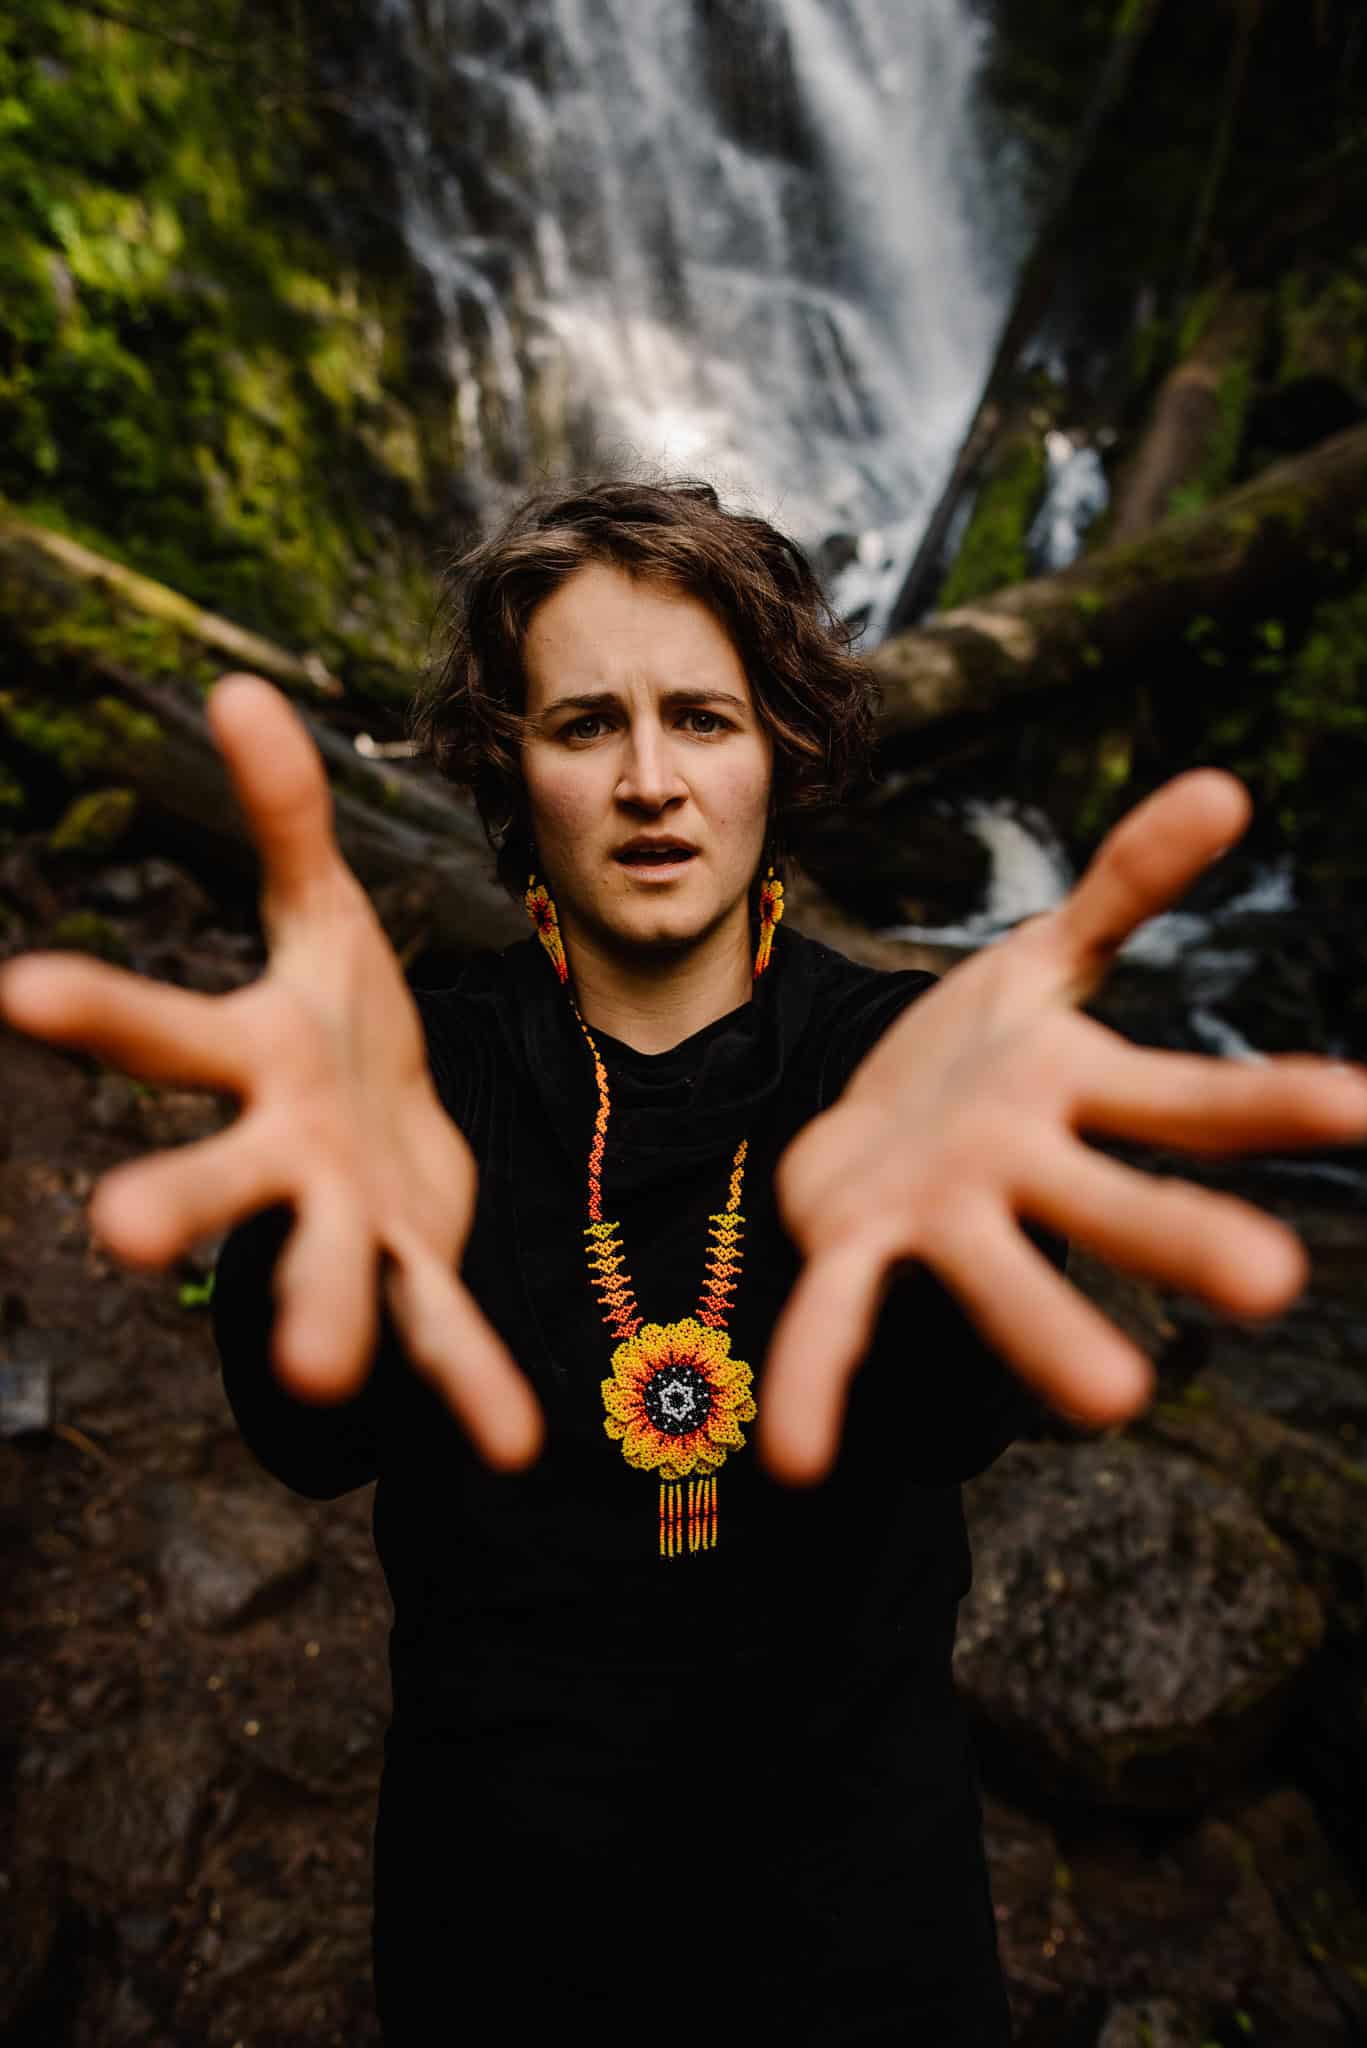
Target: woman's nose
{"x": 649, "y": 773}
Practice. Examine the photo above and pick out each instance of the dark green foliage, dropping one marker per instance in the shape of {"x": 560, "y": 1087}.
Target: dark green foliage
{"x": 197, "y": 372}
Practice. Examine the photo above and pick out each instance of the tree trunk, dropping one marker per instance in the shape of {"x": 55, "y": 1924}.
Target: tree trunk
{"x": 1033, "y": 287}
{"x": 1192, "y": 432}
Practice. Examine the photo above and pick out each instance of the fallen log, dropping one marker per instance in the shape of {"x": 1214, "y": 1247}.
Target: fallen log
{"x": 102, "y": 675}
{"x": 1298, "y": 528}
{"x": 421, "y": 854}
{"x": 26, "y": 546}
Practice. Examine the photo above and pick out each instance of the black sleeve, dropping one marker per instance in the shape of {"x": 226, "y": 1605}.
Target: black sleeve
{"x": 318, "y": 1450}
{"x": 962, "y": 1404}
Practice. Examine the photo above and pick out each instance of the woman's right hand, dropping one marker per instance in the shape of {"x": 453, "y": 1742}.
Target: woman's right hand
{"x": 340, "y": 1116}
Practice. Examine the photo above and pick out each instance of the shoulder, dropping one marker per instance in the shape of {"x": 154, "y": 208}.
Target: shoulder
{"x": 846, "y": 1005}
{"x": 466, "y": 1020}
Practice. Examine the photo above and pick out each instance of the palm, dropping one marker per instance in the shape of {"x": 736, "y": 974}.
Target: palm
{"x": 970, "y": 1115}
{"x": 339, "y": 1115}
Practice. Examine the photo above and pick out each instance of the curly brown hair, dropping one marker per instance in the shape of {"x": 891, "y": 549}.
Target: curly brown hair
{"x": 814, "y": 695}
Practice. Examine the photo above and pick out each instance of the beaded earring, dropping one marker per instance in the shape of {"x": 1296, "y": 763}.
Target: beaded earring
{"x": 770, "y": 912}
{"x": 540, "y": 907}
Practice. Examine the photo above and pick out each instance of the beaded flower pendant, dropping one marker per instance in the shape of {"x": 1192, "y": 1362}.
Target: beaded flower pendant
{"x": 677, "y": 1398}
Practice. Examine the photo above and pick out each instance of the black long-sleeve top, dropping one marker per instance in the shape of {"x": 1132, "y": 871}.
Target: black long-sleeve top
{"x": 565, "y": 1557}
{"x": 564, "y": 1697}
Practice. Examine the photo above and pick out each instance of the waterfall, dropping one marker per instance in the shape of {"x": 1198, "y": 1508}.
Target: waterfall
{"x": 755, "y": 239}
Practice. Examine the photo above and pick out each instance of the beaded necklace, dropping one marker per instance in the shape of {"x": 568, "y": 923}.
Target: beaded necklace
{"x": 677, "y": 1398}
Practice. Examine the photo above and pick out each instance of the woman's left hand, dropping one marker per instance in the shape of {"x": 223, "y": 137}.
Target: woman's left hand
{"x": 968, "y": 1117}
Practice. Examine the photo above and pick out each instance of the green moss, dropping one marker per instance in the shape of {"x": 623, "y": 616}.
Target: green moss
{"x": 992, "y": 553}
{"x": 1233, "y": 394}
{"x": 79, "y": 741}
{"x": 95, "y": 822}
{"x": 1112, "y": 767}
{"x": 84, "y": 931}
{"x": 203, "y": 371}
{"x": 1197, "y": 318}
{"x": 133, "y": 728}
{"x": 71, "y": 740}
{"x": 1323, "y": 325}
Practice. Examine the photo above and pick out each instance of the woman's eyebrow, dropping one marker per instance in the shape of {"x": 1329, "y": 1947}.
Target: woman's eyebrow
{"x": 608, "y": 700}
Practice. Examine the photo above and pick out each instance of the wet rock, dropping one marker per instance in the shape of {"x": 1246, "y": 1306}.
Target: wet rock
{"x": 1309, "y": 1493}
{"x": 1134, "y": 1629}
{"x": 1320, "y": 1909}
{"x": 154, "y": 884}
{"x": 227, "y": 1555}
{"x": 25, "y": 1390}
{"x": 1323, "y": 1396}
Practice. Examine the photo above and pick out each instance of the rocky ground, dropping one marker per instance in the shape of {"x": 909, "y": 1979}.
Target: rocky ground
{"x": 1163, "y": 1650}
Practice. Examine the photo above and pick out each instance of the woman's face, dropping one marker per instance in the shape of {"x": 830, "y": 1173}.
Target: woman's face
{"x": 646, "y": 766}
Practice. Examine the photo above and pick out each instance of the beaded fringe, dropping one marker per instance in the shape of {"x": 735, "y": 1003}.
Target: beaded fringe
{"x": 688, "y": 1516}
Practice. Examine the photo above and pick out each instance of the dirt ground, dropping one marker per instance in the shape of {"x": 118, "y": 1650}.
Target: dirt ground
{"x": 193, "y": 1692}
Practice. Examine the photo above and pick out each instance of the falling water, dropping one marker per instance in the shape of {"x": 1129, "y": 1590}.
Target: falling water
{"x": 764, "y": 240}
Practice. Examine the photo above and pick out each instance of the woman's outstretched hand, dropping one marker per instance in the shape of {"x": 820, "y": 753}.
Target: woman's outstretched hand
{"x": 969, "y": 1115}
{"x": 339, "y": 1117}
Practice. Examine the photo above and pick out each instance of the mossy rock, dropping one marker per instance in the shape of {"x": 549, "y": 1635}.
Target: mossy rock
{"x": 85, "y": 931}
{"x": 994, "y": 551}
{"x": 94, "y": 822}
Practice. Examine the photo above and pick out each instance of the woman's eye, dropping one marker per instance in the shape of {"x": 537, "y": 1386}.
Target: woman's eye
{"x": 584, "y": 728}
{"x": 712, "y": 722}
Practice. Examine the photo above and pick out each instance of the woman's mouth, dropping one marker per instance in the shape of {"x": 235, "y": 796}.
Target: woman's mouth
{"x": 655, "y": 860}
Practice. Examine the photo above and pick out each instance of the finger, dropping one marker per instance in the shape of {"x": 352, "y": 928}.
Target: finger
{"x": 146, "y": 1027}
{"x": 1146, "y": 862}
{"x": 1214, "y": 1245}
{"x": 452, "y": 1344}
{"x": 151, "y": 1211}
{"x": 281, "y": 784}
{"x": 1041, "y": 1326}
{"x": 1205, "y": 1105}
{"x": 326, "y": 1323}
{"x": 821, "y": 1336}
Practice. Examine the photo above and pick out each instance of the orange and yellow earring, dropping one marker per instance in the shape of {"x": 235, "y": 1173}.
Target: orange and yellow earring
{"x": 770, "y": 911}
{"x": 540, "y": 907}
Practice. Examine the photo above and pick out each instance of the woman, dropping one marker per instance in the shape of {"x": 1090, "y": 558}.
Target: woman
{"x": 675, "y": 1751}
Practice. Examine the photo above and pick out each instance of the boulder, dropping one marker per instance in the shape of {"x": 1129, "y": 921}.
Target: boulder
{"x": 1135, "y": 1631}
{"x": 227, "y": 1555}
